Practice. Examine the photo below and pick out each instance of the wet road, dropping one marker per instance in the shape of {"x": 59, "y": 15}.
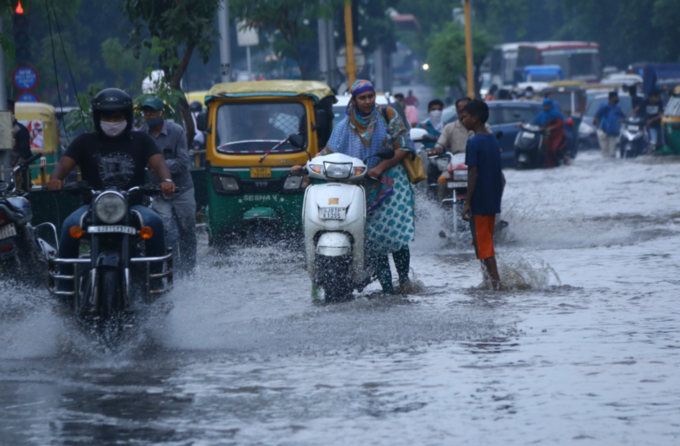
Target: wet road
{"x": 583, "y": 349}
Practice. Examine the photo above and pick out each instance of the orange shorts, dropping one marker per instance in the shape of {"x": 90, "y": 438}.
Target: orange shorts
{"x": 482, "y": 235}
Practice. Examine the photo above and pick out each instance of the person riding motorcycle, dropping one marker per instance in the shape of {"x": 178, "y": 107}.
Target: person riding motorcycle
{"x": 454, "y": 136}
{"x": 434, "y": 124}
{"x": 552, "y": 121}
{"x": 112, "y": 156}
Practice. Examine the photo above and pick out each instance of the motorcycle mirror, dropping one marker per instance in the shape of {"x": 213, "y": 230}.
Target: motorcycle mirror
{"x": 498, "y": 134}
{"x": 297, "y": 141}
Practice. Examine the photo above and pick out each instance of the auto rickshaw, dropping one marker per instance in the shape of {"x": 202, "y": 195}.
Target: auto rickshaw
{"x": 41, "y": 121}
{"x": 256, "y": 132}
{"x": 670, "y": 123}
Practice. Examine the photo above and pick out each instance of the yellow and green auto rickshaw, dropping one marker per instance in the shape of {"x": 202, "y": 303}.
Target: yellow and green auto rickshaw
{"x": 41, "y": 121}
{"x": 256, "y": 132}
{"x": 671, "y": 126}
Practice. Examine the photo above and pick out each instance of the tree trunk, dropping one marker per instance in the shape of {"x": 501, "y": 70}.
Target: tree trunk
{"x": 175, "y": 83}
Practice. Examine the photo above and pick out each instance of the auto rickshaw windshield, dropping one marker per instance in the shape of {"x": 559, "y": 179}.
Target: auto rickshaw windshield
{"x": 247, "y": 127}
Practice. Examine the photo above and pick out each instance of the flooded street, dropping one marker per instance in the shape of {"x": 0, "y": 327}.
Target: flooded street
{"x": 583, "y": 348}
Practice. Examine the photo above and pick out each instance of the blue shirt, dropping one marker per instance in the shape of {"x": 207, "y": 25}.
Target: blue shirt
{"x": 609, "y": 117}
{"x": 484, "y": 153}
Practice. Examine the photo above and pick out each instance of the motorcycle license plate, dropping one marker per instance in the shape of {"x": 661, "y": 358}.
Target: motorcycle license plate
{"x": 632, "y": 128}
{"x": 528, "y": 135}
{"x": 332, "y": 213}
{"x": 119, "y": 229}
{"x": 7, "y": 231}
{"x": 456, "y": 184}
{"x": 260, "y": 172}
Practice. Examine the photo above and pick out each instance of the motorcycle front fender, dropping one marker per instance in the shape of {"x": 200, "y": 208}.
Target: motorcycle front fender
{"x": 334, "y": 244}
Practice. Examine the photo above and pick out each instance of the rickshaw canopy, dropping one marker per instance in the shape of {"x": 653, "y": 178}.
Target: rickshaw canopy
{"x": 284, "y": 88}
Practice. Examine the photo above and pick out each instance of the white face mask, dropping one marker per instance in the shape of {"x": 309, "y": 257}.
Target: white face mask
{"x": 113, "y": 129}
{"x": 436, "y": 119}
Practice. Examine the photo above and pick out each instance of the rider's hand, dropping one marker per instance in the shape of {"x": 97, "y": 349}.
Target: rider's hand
{"x": 55, "y": 184}
{"x": 167, "y": 187}
{"x": 375, "y": 172}
{"x": 467, "y": 212}
{"x": 296, "y": 169}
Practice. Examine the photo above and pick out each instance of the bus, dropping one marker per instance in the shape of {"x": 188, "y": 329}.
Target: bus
{"x": 503, "y": 63}
{"x": 579, "y": 60}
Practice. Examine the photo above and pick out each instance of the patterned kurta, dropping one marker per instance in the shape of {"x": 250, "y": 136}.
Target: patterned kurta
{"x": 390, "y": 225}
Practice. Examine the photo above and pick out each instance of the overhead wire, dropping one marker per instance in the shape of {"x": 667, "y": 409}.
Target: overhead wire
{"x": 56, "y": 73}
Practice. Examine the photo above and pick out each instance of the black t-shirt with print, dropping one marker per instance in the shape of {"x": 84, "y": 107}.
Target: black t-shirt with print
{"x": 649, "y": 110}
{"x": 113, "y": 162}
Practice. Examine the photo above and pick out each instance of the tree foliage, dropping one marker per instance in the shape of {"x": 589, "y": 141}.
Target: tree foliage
{"x": 288, "y": 24}
{"x": 446, "y": 56}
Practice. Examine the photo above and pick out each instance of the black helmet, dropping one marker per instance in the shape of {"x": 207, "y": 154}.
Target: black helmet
{"x": 112, "y": 100}
{"x": 196, "y": 107}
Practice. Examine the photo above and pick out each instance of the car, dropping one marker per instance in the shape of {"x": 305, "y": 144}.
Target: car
{"x": 504, "y": 117}
{"x": 587, "y": 132}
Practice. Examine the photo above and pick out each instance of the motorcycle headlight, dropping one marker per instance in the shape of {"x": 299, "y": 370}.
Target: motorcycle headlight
{"x": 338, "y": 170}
{"x": 443, "y": 163}
{"x": 460, "y": 175}
{"x": 292, "y": 182}
{"x": 110, "y": 207}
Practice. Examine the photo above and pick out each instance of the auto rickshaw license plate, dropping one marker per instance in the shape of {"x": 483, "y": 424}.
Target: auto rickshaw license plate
{"x": 332, "y": 213}
{"x": 260, "y": 172}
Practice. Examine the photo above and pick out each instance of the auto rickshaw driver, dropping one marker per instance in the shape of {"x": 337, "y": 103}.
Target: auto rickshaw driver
{"x": 258, "y": 126}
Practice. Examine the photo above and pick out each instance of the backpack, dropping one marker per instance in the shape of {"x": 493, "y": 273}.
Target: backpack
{"x": 610, "y": 121}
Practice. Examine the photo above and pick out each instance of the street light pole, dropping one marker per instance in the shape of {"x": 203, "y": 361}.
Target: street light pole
{"x": 468, "y": 49}
{"x": 225, "y": 44}
{"x": 323, "y": 48}
{"x": 351, "y": 66}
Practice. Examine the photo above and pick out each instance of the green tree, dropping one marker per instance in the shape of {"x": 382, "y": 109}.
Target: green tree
{"x": 446, "y": 55}
{"x": 173, "y": 30}
{"x": 287, "y": 23}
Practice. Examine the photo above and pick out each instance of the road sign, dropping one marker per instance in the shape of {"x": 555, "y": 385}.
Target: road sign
{"x": 359, "y": 59}
{"x": 28, "y": 96}
{"x": 26, "y": 77}
{"x": 246, "y": 35}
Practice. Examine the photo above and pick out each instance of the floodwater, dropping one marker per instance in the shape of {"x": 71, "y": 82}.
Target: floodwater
{"x": 582, "y": 349}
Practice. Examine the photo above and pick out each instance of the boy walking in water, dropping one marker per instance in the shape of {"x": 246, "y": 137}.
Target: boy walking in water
{"x": 485, "y": 185}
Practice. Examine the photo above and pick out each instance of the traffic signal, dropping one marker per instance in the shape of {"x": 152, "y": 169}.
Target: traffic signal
{"x": 22, "y": 40}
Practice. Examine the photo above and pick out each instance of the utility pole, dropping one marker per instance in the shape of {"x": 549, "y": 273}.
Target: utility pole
{"x": 323, "y": 48}
{"x": 468, "y": 49}
{"x": 225, "y": 43}
{"x": 3, "y": 84}
{"x": 351, "y": 67}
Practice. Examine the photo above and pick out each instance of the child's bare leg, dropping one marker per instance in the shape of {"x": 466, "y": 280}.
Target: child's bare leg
{"x": 492, "y": 269}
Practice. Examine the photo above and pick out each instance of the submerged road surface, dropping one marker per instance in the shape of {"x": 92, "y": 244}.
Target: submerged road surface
{"x": 583, "y": 349}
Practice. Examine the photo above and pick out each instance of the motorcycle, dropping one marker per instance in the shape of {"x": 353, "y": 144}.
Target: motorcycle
{"x": 436, "y": 162}
{"x": 19, "y": 250}
{"x": 109, "y": 281}
{"x": 334, "y": 222}
{"x": 633, "y": 140}
{"x": 529, "y": 150}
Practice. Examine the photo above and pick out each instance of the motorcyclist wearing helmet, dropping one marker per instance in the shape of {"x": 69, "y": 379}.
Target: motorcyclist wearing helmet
{"x": 113, "y": 156}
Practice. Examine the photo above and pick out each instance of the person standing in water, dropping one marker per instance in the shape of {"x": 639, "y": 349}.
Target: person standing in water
{"x": 485, "y": 186}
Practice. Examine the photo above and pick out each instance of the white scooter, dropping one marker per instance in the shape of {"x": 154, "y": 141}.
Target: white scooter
{"x": 334, "y": 220}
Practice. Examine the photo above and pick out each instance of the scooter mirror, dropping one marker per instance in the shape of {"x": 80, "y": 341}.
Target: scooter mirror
{"x": 499, "y": 134}
{"x": 385, "y": 153}
{"x": 297, "y": 141}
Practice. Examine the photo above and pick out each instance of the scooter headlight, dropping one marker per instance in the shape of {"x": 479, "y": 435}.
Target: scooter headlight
{"x": 110, "y": 207}
{"x": 337, "y": 170}
{"x": 460, "y": 175}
